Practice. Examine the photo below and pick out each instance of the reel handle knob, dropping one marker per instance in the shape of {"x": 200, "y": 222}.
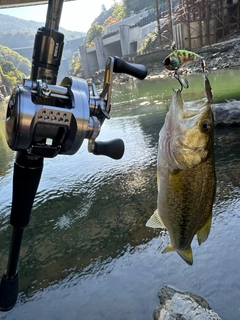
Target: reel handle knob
{"x": 138, "y": 71}
{"x": 113, "y": 148}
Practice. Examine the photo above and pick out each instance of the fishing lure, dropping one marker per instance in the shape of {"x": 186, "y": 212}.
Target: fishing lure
{"x": 176, "y": 59}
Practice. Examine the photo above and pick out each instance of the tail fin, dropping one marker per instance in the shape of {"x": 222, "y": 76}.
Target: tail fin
{"x": 186, "y": 255}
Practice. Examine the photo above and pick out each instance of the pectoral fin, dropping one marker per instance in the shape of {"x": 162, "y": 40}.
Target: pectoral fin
{"x": 186, "y": 255}
{"x": 155, "y": 221}
{"x": 203, "y": 233}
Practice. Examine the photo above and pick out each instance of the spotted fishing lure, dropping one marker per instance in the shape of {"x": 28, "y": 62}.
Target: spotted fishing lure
{"x": 178, "y": 58}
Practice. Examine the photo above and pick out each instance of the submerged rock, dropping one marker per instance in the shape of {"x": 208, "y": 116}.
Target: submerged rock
{"x": 179, "y": 305}
{"x": 226, "y": 114}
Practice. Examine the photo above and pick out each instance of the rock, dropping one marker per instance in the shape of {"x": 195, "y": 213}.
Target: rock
{"x": 226, "y": 114}
{"x": 177, "y": 305}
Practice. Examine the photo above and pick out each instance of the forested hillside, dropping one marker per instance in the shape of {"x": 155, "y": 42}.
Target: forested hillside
{"x": 15, "y": 32}
{"x": 13, "y": 68}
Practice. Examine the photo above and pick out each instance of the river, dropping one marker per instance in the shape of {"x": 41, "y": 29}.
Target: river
{"x": 87, "y": 254}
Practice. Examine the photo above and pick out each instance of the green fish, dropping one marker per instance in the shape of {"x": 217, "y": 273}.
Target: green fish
{"x": 186, "y": 173}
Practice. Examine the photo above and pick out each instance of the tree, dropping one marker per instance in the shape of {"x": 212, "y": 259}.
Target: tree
{"x": 149, "y": 43}
{"x": 7, "y": 66}
{"x": 10, "y": 74}
{"x": 137, "y": 5}
{"x": 76, "y": 66}
{"x": 119, "y": 11}
{"x": 95, "y": 31}
{"x": 110, "y": 20}
{"x": 103, "y": 8}
{"x": 20, "y": 62}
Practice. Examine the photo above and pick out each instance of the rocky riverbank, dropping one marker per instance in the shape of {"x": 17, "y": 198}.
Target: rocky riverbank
{"x": 217, "y": 56}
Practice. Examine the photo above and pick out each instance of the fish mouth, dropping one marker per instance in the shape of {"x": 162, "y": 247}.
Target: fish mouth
{"x": 183, "y": 143}
{"x": 178, "y": 97}
{"x": 191, "y": 108}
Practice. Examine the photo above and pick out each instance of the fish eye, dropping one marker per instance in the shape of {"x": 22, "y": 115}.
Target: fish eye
{"x": 167, "y": 61}
{"x": 205, "y": 125}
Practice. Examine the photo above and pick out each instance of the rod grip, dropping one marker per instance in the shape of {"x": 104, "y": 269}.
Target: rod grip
{"x": 26, "y": 178}
{"x": 113, "y": 148}
{"x": 8, "y": 292}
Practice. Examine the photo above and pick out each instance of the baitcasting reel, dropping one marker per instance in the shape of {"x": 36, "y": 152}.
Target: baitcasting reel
{"x": 47, "y": 120}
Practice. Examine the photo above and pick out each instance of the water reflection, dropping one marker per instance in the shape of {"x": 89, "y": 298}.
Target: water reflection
{"x": 86, "y": 212}
{"x": 87, "y": 254}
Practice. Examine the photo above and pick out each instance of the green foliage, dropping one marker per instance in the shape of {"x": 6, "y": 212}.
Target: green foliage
{"x": 119, "y": 11}
{"x": 76, "y": 66}
{"x": 149, "y": 43}
{"x": 20, "y": 62}
{"x": 13, "y": 76}
{"x": 13, "y": 67}
{"x": 110, "y": 20}
{"x": 15, "y": 32}
{"x": 103, "y": 15}
{"x": 137, "y": 5}
{"x": 95, "y": 31}
{"x": 18, "y": 39}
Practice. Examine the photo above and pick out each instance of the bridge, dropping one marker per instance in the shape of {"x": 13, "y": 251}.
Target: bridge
{"x": 70, "y": 46}
{"x": 119, "y": 39}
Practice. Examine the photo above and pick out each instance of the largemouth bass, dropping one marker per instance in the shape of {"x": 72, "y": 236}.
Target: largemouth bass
{"x": 186, "y": 173}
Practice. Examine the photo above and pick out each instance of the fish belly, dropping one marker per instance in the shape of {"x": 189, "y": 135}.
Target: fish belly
{"x": 185, "y": 201}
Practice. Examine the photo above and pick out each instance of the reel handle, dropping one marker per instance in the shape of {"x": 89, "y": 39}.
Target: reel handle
{"x": 138, "y": 71}
{"x": 113, "y": 148}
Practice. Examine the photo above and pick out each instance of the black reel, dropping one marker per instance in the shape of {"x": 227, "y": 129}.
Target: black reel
{"x": 47, "y": 120}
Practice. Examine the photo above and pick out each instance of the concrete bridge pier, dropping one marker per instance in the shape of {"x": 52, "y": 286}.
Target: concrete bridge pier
{"x": 124, "y": 39}
{"x": 84, "y": 59}
{"x": 100, "y": 52}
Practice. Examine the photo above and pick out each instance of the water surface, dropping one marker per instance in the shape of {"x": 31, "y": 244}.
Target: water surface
{"x": 87, "y": 254}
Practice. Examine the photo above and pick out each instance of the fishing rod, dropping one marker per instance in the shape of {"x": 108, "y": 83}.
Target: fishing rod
{"x": 44, "y": 120}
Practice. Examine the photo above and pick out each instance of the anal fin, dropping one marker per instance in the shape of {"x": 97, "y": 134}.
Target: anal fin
{"x": 203, "y": 233}
{"x": 186, "y": 254}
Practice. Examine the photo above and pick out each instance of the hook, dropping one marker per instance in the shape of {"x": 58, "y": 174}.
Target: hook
{"x": 184, "y": 83}
{"x": 173, "y": 46}
{"x": 204, "y": 65}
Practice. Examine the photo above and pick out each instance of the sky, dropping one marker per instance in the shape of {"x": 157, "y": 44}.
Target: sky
{"x": 76, "y": 15}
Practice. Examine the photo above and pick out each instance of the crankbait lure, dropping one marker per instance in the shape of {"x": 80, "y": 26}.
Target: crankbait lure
{"x": 176, "y": 59}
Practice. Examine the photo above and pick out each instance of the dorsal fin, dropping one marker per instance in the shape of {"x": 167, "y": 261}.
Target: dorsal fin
{"x": 155, "y": 221}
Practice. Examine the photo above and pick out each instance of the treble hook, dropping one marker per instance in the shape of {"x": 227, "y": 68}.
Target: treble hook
{"x": 204, "y": 66}
{"x": 184, "y": 84}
